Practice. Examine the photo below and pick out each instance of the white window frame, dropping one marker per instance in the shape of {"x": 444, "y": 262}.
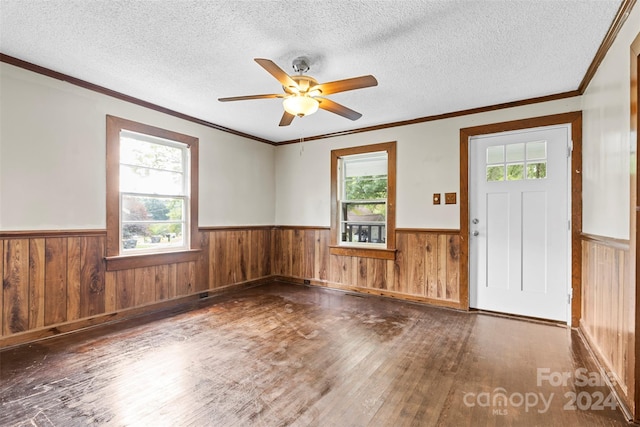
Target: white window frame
{"x": 386, "y": 250}
{"x": 185, "y": 196}
{"x": 116, "y": 258}
{"x": 342, "y": 200}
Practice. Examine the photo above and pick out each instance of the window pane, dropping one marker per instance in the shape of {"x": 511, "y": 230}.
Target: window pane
{"x": 495, "y": 173}
{"x": 150, "y": 155}
{"x": 537, "y": 170}
{"x": 364, "y": 212}
{"x": 515, "y": 152}
{"x": 137, "y": 208}
{"x": 152, "y": 236}
{"x": 135, "y": 179}
{"x": 369, "y": 164}
{"x": 366, "y": 187}
{"x": 495, "y": 154}
{"x": 363, "y": 233}
{"x": 364, "y": 222}
{"x": 537, "y": 150}
{"x": 149, "y": 203}
{"x": 515, "y": 172}
{"x": 363, "y": 189}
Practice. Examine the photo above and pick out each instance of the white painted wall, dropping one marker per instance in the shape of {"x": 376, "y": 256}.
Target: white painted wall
{"x": 52, "y": 159}
{"x": 428, "y": 162}
{"x": 52, "y": 150}
{"x": 606, "y": 139}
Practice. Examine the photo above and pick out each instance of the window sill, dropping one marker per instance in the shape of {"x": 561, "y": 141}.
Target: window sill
{"x": 377, "y": 253}
{"x": 126, "y": 262}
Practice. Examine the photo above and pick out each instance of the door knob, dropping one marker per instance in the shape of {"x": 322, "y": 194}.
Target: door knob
{"x": 475, "y": 220}
{"x": 476, "y": 233}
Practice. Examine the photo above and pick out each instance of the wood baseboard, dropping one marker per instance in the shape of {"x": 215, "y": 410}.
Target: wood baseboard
{"x": 369, "y": 291}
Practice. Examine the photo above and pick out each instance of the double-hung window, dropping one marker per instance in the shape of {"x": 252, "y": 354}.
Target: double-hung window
{"x": 151, "y": 193}
{"x": 362, "y": 197}
{"x": 154, "y": 193}
{"x": 363, "y": 194}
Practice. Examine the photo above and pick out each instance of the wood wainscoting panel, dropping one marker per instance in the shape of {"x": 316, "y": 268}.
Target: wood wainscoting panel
{"x": 426, "y": 266}
{"x": 260, "y": 261}
{"x": 92, "y": 269}
{"x": 186, "y": 272}
{"x": 202, "y": 268}
{"x": 237, "y": 255}
{"x": 56, "y": 282}
{"x": 322, "y": 255}
{"x": 55, "y": 293}
{"x": 607, "y": 307}
{"x": 15, "y": 286}
{"x": 36, "y": 283}
{"x": 218, "y": 259}
{"x": 1, "y": 287}
{"x": 166, "y": 279}
{"x": 73, "y": 278}
{"x": 144, "y": 285}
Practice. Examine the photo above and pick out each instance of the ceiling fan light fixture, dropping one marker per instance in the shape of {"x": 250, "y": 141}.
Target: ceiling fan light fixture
{"x": 303, "y": 95}
{"x": 300, "y": 105}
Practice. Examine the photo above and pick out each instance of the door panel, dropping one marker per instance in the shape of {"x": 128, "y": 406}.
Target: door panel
{"x": 534, "y": 241}
{"x": 519, "y": 211}
{"x": 498, "y": 251}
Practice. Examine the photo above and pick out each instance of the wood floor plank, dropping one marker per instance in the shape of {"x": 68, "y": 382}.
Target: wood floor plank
{"x": 287, "y": 355}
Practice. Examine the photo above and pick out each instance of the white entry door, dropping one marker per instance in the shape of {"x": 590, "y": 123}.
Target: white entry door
{"x": 519, "y": 223}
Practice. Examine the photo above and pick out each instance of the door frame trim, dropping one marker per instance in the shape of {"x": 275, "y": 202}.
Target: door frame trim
{"x": 574, "y": 119}
{"x": 634, "y": 232}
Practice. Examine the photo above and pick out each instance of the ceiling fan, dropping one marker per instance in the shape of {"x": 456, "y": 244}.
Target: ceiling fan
{"x": 303, "y": 95}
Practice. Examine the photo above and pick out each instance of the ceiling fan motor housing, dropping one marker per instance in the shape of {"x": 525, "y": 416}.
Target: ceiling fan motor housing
{"x": 304, "y": 84}
{"x": 301, "y": 64}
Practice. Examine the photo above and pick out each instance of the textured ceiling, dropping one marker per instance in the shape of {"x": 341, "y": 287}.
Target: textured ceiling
{"x": 429, "y": 57}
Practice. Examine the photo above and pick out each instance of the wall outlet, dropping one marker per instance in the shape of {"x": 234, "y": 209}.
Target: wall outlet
{"x": 450, "y": 198}
{"x": 436, "y": 198}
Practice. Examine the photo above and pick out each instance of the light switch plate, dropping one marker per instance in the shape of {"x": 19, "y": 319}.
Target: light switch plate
{"x": 436, "y": 198}
{"x": 450, "y": 198}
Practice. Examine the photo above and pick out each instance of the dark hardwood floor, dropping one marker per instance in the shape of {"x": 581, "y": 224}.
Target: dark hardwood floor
{"x": 292, "y": 355}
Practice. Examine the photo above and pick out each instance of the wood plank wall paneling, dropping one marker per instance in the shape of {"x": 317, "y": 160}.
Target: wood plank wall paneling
{"x": 54, "y": 280}
{"x": 426, "y": 268}
{"x": 36, "y": 283}
{"x": 2, "y": 252}
{"x": 55, "y": 310}
{"x": 607, "y": 308}
{"x": 15, "y": 286}
{"x": 236, "y": 256}
{"x": 73, "y": 278}
{"x": 92, "y": 269}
